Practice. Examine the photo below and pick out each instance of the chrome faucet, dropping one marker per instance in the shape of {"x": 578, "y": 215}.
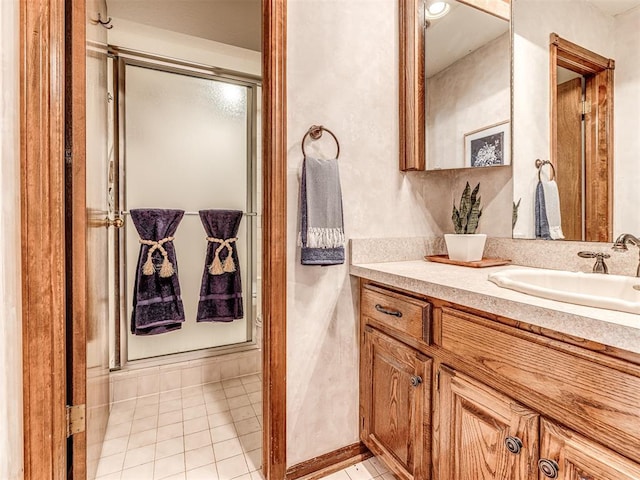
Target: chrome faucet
{"x": 620, "y": 245}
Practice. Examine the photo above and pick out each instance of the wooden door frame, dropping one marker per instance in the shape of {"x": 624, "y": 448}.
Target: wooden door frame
{"x": 43, "y": 253}
{"x": 598, "y": 130}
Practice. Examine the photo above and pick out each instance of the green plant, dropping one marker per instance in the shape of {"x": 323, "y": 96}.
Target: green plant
{"x": 514, "y": 214}
{"x": 465, "y": 218}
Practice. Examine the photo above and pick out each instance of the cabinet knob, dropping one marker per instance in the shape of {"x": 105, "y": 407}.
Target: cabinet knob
{"x": 548, "y": 467}
{"x": 416, "y": 380}
{"x": 386, "y": 311}
{"x": 513, "y": 444}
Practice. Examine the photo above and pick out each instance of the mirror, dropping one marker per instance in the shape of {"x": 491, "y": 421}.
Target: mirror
{"x": 468, "y": 84}
{"x": 576, "y": 104}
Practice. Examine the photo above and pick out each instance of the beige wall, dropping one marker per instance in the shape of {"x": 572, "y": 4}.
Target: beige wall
{"x": 469, "y": 95}
{"x": 627, "y": 124}
{"x": 11, "y": 467}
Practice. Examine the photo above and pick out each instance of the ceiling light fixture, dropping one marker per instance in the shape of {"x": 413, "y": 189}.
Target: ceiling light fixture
{"x": 437, "y": 9}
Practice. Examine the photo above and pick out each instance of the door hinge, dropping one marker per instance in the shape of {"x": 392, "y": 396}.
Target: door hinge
{"x": 586, "y": 107}
{"x": 75, "y": 419}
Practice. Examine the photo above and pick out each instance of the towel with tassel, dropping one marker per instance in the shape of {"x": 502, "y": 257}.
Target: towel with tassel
{"x": 221, "y": 288}
{"x": 321, "y": 235}
{"x": 157, "y": 305}
{"x": 548, "y": 222}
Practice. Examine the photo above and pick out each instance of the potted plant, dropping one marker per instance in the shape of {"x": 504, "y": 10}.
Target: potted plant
{"x": 466, "y": 245}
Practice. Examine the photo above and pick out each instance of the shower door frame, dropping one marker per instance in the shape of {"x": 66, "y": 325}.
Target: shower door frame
{"x": 45, "y": 37}
{"x": 123, "y": 57}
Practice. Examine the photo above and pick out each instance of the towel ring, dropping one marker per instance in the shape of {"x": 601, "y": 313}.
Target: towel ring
{"x": 542, "y": 163}
{"x": 315, "y": 132}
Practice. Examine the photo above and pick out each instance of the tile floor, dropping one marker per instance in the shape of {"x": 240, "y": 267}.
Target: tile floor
{"x": 208, "y": 432}
{"x": 211, "y": 431}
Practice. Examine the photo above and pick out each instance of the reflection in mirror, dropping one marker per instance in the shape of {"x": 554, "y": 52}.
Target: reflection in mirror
{"x": 563, "y": 92}
{"x": 468, "y": 101}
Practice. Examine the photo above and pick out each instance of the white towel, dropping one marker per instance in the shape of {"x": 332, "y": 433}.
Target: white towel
{"x": 552, "y": 206}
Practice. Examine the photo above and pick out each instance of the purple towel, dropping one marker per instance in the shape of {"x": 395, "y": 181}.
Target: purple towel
{"x": 221, "y": 289}
{"x": 157, "y": 306}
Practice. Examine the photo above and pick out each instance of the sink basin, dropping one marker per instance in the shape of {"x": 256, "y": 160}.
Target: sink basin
{"x": 614, "y": 292}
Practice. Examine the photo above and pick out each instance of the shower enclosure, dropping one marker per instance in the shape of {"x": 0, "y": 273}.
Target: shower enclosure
{"x": 184, "y": 137}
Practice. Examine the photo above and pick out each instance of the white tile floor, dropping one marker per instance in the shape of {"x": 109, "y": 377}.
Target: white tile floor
{"x": 211, "y": 432}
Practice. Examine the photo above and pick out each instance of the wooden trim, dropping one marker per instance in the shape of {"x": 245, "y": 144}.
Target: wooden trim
{"x": 599, "y": 129}
{"x": 412, "y": 85}
{"x": 42, "y": 55}
{"x": 329, "y": 463}
{"x": 274, "y": 274}
{"x": 76, "y": 79}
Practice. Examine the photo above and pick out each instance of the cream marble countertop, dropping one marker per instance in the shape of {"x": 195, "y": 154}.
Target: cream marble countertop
{"x": 470, "y": 287}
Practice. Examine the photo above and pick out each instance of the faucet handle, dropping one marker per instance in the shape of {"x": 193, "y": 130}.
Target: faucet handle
{"x": 599, "y": 266}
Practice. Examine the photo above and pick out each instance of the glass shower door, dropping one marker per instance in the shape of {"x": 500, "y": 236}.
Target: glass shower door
{"x": 187, "y": 145}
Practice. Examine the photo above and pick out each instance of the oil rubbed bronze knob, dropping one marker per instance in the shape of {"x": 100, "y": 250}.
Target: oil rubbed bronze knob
{"x": 548, "y": 467}
{"x": 513, "y": 444}
{"x": 416, "y": 380}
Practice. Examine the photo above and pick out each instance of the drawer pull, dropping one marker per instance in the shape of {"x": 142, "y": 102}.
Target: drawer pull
{"x": 386, "y": 311}
{"x": 513, "y": 444}
{"x": 548, "y": 467}
{"x": 416, "y": 380}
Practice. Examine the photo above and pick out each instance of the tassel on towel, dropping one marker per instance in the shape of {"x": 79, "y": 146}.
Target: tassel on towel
{"x": 321, "y": 222}
{"x": 221, "y": 288}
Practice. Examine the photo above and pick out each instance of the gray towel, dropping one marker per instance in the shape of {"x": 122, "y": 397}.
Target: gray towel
{"x": 542, "y": 224}
{"x": 321, "y": 220}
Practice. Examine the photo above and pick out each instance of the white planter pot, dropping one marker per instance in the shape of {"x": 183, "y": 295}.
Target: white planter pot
{"x": 465, "y": 247}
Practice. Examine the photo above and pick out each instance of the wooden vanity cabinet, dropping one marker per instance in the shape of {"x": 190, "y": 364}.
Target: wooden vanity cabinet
{"x": 572, "y": 457}
{"x": 483, "y": 434}
{"x": 507, "y": 403}
{"x": 395, "y": 383}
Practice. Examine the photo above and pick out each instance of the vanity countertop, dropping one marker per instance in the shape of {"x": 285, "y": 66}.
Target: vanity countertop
{"x": 470, "y": 287}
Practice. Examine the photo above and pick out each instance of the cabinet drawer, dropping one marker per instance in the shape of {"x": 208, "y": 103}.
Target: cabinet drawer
{"x": 598, "y": 400}
{"x": 396, "y": 311}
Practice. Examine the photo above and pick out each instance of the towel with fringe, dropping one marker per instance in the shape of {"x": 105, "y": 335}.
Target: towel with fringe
{"x": 321, "y": 235}
{"x": 221, "y": 287}
{"x": 548, "y": 222}
{"x": 157, "y": 305}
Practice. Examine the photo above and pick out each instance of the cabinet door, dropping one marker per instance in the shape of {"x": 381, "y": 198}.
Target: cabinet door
{"x": 483, "y": 435}
{"x": 570, "y": 456}
{"x": 395, "y": 403}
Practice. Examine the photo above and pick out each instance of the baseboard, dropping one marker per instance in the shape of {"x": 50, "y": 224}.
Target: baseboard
{"x": 329, "y": 463}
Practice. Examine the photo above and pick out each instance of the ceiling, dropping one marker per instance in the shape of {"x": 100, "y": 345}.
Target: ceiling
{"x": 234, "y": 22}
{"x": 463, "y": 30}
{"x": 615, "y": 7}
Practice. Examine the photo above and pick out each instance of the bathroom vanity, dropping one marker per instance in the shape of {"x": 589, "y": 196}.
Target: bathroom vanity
{"x": 460, "y": 379}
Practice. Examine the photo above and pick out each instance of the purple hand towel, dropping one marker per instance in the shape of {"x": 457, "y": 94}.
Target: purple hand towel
{"x": 221, "y": 289}
{"x": 157, "y": 306}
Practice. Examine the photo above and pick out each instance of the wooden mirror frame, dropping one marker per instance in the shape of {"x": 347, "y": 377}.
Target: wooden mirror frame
{"x": 412, "y": 80}
{"x": 52, "y": 32}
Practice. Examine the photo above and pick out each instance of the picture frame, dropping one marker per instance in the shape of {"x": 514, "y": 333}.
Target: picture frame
{"x": 488, "y": 146}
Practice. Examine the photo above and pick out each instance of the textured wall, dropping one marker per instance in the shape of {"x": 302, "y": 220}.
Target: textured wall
{"x": 10, "y": 299}
{"x": 534, "y": 20}
{"x": 342, "y": 70}
{"x": 627, "y": 124}
{"x": 473, "y": 93}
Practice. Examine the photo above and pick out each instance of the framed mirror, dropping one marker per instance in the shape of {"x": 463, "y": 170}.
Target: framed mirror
{"x": 455, "y": 84}
{"x": 576, "y": 104}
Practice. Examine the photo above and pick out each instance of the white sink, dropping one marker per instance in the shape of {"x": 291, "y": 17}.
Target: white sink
{"x": 614, "y": 292}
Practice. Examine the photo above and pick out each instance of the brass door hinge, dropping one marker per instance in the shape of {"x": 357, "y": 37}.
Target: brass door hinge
{"x": 586, "y": 107}
{"x": 75, "y": 419}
